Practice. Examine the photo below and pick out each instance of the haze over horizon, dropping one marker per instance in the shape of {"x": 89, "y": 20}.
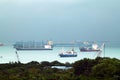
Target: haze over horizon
{"x": 59, "y": 20}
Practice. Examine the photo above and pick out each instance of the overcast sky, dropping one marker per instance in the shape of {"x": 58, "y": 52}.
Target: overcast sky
{"x": 59, "y": 20}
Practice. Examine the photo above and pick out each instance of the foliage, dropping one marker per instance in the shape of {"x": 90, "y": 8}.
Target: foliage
{"x": 108, "y": 68}
{"x": 83, "y": 66}
{"x": 85, "y": 69}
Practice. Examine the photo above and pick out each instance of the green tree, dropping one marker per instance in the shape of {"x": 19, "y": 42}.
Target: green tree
{"x": 56, "y": 63}
{"x": 107, "y": 69}
{"x": 45, "y": 64}
{"x": 83, "y": 67}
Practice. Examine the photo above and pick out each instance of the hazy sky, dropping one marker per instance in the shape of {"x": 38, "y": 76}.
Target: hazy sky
{"x": 59, "y": 20}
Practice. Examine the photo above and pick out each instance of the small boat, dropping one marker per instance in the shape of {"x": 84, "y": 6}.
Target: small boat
{"x": 70, "y": 53}
{"x": 94, "y": 48}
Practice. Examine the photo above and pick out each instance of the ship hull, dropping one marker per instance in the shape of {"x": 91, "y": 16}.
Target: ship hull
{"x": 89, "y": 50}
{"x": 33, "y": 49}
{"x": 66, "y": 55}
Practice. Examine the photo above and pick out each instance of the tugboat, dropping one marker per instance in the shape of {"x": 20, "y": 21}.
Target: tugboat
{"x": 70, "y": 53}
{"x": 33, "y": 46}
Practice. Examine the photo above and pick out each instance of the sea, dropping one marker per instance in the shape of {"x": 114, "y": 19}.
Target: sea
{"x": 8, "y": 54}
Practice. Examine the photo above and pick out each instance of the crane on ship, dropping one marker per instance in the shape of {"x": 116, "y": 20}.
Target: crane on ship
{"x": 18, "y": 59}
{"x": 102, "y": 49}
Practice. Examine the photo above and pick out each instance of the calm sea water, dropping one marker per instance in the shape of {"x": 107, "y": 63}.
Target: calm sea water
{"x": 7, "y": 54}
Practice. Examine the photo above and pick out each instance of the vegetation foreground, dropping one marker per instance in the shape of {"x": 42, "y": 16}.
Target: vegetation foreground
{"x": 85, "y": 69}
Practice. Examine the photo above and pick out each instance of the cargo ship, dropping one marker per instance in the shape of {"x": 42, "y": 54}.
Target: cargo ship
{"x": 34, "y": 45}
{"x": 1, "y": 44}
{"x": 93, "y": 48}
{"x": 70, "y": 53}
